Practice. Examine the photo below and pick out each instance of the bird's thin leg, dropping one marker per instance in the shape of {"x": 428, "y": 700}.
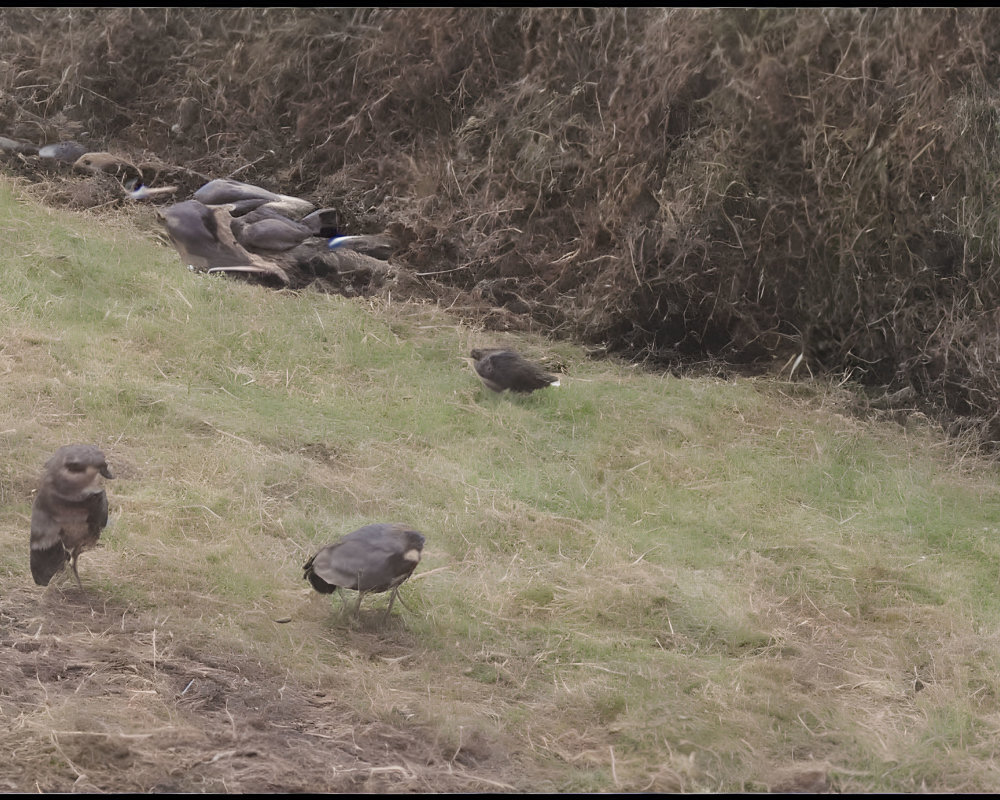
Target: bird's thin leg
{"x": 343, "y": 599}
{"x": 402, "y": 602}
{"x": 357, "y": 608}
{"x": 392, "y": 599}
{"x": 75, "y": 573}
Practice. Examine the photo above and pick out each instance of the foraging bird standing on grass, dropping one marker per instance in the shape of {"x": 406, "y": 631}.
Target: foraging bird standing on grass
{"x": 501, "y": 369}
{"x": 374, "y": 558}
{"x": 70, "y": 510}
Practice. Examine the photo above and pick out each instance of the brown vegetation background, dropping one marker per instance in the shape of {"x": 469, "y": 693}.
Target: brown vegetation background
{"x": 736, "y": 185}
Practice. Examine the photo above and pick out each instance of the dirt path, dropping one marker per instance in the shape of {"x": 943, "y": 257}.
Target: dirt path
{"x": 92, "y": 701}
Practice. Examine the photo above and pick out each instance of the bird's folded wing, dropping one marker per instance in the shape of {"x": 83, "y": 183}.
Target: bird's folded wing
{"x": 44, "y": 529}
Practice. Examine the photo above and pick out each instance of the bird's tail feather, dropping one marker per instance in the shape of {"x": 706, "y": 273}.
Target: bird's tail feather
{"x": 46, "y": 563}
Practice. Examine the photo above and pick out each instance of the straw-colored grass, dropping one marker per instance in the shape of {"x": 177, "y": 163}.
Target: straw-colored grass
{"x": 634, "y": 581}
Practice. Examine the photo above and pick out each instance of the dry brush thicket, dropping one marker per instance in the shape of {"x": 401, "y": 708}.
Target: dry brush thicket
{"x": 678, "y": 185}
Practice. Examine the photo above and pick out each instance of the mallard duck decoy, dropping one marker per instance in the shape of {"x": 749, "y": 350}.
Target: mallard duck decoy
{"x": 265, "y": 221}
{"x": 203, "y": 236}
{"x": 17, "y": 146}
{"x": 264, "y": 228}
{"x": 374, "y": 558}
{"x": 272, "y": 234}
{"x": 63, "y": 151}
{"x": 376, "y": 245}
{"x": 109, "y": 164}
{"x": 222, "y": 191}
{"x": 322, "y": 222}
{"x": 501, "y": 369}
{"x": 70, "y": 510}
{"x": 137, "y": 190}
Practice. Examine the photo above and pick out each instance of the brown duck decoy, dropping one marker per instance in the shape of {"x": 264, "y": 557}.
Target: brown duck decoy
{"x": 109, "y": 164}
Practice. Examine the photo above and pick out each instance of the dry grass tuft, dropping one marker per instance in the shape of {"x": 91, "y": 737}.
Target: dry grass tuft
{"x": 679, "y": 185}
{"x": 227, "y": 723}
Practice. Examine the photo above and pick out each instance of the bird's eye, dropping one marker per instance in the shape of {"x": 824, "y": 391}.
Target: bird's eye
{"x": 73, "y": 466}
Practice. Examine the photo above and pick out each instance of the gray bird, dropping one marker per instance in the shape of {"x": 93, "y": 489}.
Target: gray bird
{"x": 501, "y": 369}
{"x": 374, "y": 558}
{"x": 70, "y": 510}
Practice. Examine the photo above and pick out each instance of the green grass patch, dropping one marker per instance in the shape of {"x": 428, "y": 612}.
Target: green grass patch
{"x": 644, "y": 582}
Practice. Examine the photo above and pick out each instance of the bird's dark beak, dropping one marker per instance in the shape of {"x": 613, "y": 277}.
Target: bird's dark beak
{"x": 106, "y": 472}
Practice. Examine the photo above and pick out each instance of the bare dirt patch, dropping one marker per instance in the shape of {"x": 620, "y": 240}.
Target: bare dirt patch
{"x": 100, "y": 697}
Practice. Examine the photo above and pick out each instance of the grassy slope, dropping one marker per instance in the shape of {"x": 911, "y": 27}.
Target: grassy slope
{"x": 638, "y": 580}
